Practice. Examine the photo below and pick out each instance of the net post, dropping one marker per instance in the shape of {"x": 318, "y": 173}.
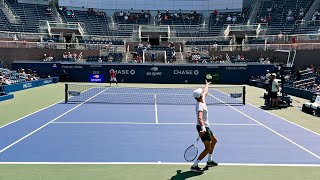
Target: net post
{"x": 244, "y": 95}
{"x": 66, "y": 93}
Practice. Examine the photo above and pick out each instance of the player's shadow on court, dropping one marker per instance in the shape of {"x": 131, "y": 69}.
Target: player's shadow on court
{"x": 184, "y": 175}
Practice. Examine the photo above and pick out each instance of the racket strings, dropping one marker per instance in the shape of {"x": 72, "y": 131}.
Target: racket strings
{"x": 191, "y": 153}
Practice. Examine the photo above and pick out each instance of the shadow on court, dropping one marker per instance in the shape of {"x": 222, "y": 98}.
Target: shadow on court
{"x": 185, "y": 175}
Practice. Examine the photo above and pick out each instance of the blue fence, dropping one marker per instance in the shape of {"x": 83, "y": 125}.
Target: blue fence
{"x": 148, "y": 73}
{"x": 29, "y": 84}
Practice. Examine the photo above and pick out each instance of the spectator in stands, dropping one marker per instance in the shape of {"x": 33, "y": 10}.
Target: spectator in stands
{"x": 153, "y": 57}
{"x": 298, "y": 75}
{"x": 148, "y": 46}
{"x": 110, "y": 58}
{"x": 65, "y": 56}
{"x": 314, "y": 18}
{"x": 294, "y": 40}
{"x": 120, "y": 13}
{"x": 44, "y": 57}
{"x": 267, "y": 61}
{"x": 234, "y": 19}
{"x": 74, "y": 56}
{"x": 189, "y": 56}
{"x": 242, "y": 58}
{"x": 171, "y": 45}
{"x": 60, "y": 8}
{"x": 69, "y": 56}
{"x": 280, "y": 36}
{"x": 140, "y": 45}
{"x": 50, "y": 58}
{"x": 49, "y": 11}
{"x": 261, "y": 59}
{"x": 99, "y": 60}
{"x": 15, "y": 38}
{"x": 228, "y": 18}
{"x": 215, "y": 12}
{"x": 139, "y": 59}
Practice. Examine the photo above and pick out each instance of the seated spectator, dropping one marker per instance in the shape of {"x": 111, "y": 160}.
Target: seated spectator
{"x": 15, "y": 38}
{"x": 65, "y": 56}
{"x": 280, "y": 36}
{"x": 99, "y": 60}
{"x": 49, "y": 11}
{"x": 229, "y": 18}
{"x": 120, "y": 13}
{"x": 69, "y": 56}
{"x": 140, "y": 45}
{"x": 110, "y": 59}
{"x": 74, "y": 56}
{"x": 45, "y": 57}
{"x": 50, "y": 58}
{"x": 153, "y": 57}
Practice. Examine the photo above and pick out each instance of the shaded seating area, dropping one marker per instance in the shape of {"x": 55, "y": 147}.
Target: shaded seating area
{"x": 111, "y": 57}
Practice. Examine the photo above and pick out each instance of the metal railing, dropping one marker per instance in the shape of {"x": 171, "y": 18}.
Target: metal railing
{"x": 304, "y": 82}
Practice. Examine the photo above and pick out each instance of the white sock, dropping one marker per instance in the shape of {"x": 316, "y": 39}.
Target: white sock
{"x": 196, "y": 162}
{"x": 209, "y": 157}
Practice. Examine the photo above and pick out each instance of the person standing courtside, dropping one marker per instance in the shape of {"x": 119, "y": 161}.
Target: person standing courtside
{"x": 274, "y": 91}
{"x": 203, "y": 128}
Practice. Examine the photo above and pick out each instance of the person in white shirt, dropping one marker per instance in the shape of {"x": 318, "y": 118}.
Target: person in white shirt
{"x": 274, "y": 91}
{"x": 203, "y": 128}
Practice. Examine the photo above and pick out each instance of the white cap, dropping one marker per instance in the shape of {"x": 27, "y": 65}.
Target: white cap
{"x": 197, "y": 93}
{"x": 273, "y": 74}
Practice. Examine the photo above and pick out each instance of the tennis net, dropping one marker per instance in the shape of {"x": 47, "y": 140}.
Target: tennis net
{"x": 233, "y": 95}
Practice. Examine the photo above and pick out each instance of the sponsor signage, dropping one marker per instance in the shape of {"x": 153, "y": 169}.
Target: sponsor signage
{"x": 26, "y": 85}
{"x": 126, "y": 72}
{"x": 186, "y": 72}
{"x": 154, "y": 71}
{"x": 96, "y": 78}
{"x": 236, "y": 68}
{"x": 47, "y": 81}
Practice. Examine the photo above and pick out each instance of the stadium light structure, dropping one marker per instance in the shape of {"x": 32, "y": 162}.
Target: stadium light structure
{"x": 289, "y": 54}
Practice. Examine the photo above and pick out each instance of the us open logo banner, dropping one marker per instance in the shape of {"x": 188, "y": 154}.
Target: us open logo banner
{"x": 96, "y": 78}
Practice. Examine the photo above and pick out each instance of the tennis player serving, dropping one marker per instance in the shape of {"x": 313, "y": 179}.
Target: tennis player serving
{"x": 113, "y": 76}
{"x": 203, "y": 128}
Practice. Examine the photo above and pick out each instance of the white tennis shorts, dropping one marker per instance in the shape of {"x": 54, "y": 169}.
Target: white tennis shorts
{"x": 113, "y": 79}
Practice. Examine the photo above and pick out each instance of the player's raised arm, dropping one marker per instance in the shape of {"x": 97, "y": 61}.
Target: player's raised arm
{"x": 205, "y": 90}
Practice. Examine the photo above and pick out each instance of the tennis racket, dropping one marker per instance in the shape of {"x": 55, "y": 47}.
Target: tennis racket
{"x": 191, "y": 152}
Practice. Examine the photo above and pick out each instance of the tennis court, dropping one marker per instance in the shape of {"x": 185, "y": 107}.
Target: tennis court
{"x": 123, "y": 125}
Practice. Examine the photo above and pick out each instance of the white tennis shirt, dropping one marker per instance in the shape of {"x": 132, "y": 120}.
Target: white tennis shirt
{"x": 202, "y": 107}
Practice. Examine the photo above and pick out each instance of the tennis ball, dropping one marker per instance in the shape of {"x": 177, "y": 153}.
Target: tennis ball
{"x": 208, "y": 76}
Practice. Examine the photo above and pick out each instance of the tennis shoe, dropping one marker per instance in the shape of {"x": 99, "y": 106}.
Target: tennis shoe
{"x": 211, "y": 164}
{"x": 196, "y": 169}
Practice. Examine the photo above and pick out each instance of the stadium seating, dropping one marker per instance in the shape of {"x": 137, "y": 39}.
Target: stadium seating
{"x": 170, "y": 18}
{"x": 132, "y": 17}
{"x": 30, "y": 16}
{"x": 278, "y": 12}
{"x": 114, "y": 42}
{"x": 4, "y": 22}
{"x": 117, "y": 57}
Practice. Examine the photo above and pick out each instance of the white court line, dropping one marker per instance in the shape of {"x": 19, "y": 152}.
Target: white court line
{"x": 31, "y": 114}
{"x": 284, "y": 137}
{"x": 36, "y": 112}
{"x": 141, "y": 123}
{"x": 156, "y": 108}
{"x": 285, "y": 119}
{"x": 24, "y": 137}
{"x": 156, "y": 163}
{"x": 278, "y": 117}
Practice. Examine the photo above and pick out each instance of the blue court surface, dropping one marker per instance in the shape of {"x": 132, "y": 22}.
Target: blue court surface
{"x": 143, "y": 128}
